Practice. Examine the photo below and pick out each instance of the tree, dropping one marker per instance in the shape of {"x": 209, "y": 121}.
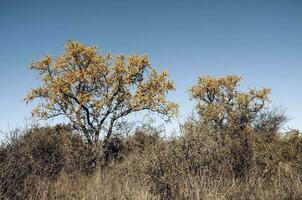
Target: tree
{"x": 230, "y": 116}
{"x": 94, "y": 91}
{"x": 221, "y": 105}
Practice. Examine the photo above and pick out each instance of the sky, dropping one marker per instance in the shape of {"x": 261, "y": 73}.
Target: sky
{"x": 259, "y": 40}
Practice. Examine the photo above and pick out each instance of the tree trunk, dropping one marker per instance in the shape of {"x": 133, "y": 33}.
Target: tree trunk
{"x": 106, "y": 149}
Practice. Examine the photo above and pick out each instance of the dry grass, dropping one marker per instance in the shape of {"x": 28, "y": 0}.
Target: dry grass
{"x": 190, "y": 187}
{"x": 51, "y": 163}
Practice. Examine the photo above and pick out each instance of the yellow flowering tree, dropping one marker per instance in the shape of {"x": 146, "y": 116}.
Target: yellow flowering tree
{"x": 94, "y": 91}
{"x": 220, "y": 104}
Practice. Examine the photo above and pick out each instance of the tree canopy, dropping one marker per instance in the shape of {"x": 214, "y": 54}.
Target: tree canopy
{"x": 94, "y": 90}
{"x": 221, "y": 104}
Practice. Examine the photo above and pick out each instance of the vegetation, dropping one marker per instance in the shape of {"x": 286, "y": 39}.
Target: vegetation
{"x": 221, "y": 105}
{"x": 94, "y": 91}
{"x": 52, "y": 163}
{"x": 232, "y": 149}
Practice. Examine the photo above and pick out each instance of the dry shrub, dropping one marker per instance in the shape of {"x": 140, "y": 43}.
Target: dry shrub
{"x": 38, "y": 154}
{"x": 228, "y": 151}
{"x": 120, "y": 147}
{"x": 275, "y": 152}
{"x": 229, "y": 164}
{"x": 198, "y": 164}
{"x": 196, "y": 154}
{"x": 141, "y": 140}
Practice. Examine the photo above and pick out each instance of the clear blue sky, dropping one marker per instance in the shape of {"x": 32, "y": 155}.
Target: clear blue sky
{"x": 260, "y": 40}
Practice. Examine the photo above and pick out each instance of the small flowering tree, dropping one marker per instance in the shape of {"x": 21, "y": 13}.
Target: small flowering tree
{"x": 94, "y": 91}
{"x": 231, "y": 116}
{"x": 220, "y": 104}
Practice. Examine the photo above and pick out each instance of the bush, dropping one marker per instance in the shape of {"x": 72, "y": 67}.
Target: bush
{"x": 37, "y": 154}
{"x": 53, "y": 163}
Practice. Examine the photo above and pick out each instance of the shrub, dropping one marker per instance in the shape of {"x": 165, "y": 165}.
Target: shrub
{"x": 37, "y": 154}
{"x": 197, "y": 164}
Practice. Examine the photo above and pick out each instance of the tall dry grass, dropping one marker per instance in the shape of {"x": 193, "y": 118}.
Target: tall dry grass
{"x": 53, "y": 163}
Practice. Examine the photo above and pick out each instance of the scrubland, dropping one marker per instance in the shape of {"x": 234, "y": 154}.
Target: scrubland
{"x": 56, "y": 163}
{"x": 232, "y": 147}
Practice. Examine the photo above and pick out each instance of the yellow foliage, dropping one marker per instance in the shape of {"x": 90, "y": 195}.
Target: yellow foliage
{"x": 221, "y": 104}
{"x": 93, "y": 89}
